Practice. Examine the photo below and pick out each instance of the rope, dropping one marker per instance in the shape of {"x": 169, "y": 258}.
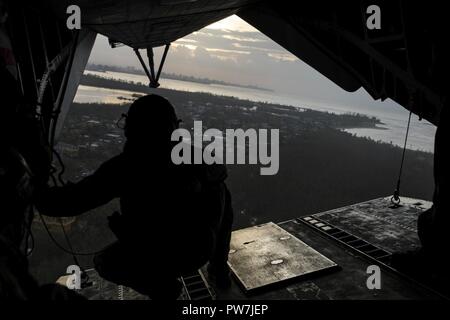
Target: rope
{"x": 54, "y": 118}
{"x": 71, "y": 252}
{"x": 396, "y": 197}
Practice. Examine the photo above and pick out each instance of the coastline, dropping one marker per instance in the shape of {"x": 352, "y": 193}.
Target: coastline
{"x": 388, "y": 129}
{"x": 354, "y": 120}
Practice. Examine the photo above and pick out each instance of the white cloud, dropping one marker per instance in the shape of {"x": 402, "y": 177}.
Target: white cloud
{"x": 254, "y": 48}
{"x": 282, "y": 56}
{"x": 238, "y": 38}
{"x": 184, "y": 40}
{"x": 202, "y": 33}
{"x": 217, "y": 50}
{"x": 189, "y": 46}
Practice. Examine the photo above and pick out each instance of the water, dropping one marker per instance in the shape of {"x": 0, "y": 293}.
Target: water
{"x": 421, "y": 133}
{"x": 87, "y": 94}
{"x": 394, "y": 118}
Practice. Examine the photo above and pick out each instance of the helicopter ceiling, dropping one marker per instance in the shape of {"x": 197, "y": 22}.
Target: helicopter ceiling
{"x": 142, "y": 23}
{"x": 405, "y": 60}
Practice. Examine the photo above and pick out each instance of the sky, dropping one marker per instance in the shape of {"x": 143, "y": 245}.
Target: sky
{"x": 233, "y": 51}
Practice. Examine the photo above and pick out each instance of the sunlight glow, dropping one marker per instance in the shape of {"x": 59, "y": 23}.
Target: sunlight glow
{"x": 232, "y": 23}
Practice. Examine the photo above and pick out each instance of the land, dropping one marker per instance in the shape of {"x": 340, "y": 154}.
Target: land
{"x": 321, "y": 166}
{"x": 172, "y": 76}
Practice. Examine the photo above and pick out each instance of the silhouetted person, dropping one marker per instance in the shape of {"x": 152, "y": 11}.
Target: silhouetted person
{"x": 174, "y": 218}
{"x": 433, "y": 224}
{"x": 16, "y": 192}
{"x": 24, "y": 167}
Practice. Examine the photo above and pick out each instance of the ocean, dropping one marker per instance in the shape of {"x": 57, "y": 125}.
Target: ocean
{"x": 394, "y": 119}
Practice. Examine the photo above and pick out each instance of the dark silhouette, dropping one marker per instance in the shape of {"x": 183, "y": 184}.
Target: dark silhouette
{"x": 24, "y": 167}
{"x": 433, "y": 224}
{"x": 430, "y": 261}
{"x": 174, "y": 218}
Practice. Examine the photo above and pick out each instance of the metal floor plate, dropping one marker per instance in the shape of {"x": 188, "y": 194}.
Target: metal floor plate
{"x": 379, "y": 223}
{"x": 195, "y": 287}
{"x": 267, "y": 254}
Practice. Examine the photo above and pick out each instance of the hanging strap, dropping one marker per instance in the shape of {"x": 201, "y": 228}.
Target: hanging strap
{"x": 154, "y": 78}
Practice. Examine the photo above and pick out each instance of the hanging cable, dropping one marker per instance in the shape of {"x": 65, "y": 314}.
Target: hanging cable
{"x": 51, "y": 137}
{"x": 28, "y": 233}
{"x": 62, "y": 167}
{"x": 62, "y": 91}
{"x": 68, "y": 251}
{"x": 74, "y": 256}
{"x": 396, "y": 197}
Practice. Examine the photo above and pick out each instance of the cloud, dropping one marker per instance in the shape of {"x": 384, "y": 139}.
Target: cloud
{"x": 226, "y": 51}
{"x": 185, "y": 40}
{"x": 217, "y": 54}
{"x": 282, "y": 56}
{"x": 239, "y": 38}
{"x": 188, "y": 46}
{"x": 202, "y": 33}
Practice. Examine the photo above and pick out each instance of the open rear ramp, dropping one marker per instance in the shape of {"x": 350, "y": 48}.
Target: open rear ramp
{"x": 345, "y": 241}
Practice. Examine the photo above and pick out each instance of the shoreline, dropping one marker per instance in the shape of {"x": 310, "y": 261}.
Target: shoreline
{"x": 124, "y": 92}
{"x": 138, "y": 89}
{"x": 172, "y": 76}
{"x": 375, "y": 127}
